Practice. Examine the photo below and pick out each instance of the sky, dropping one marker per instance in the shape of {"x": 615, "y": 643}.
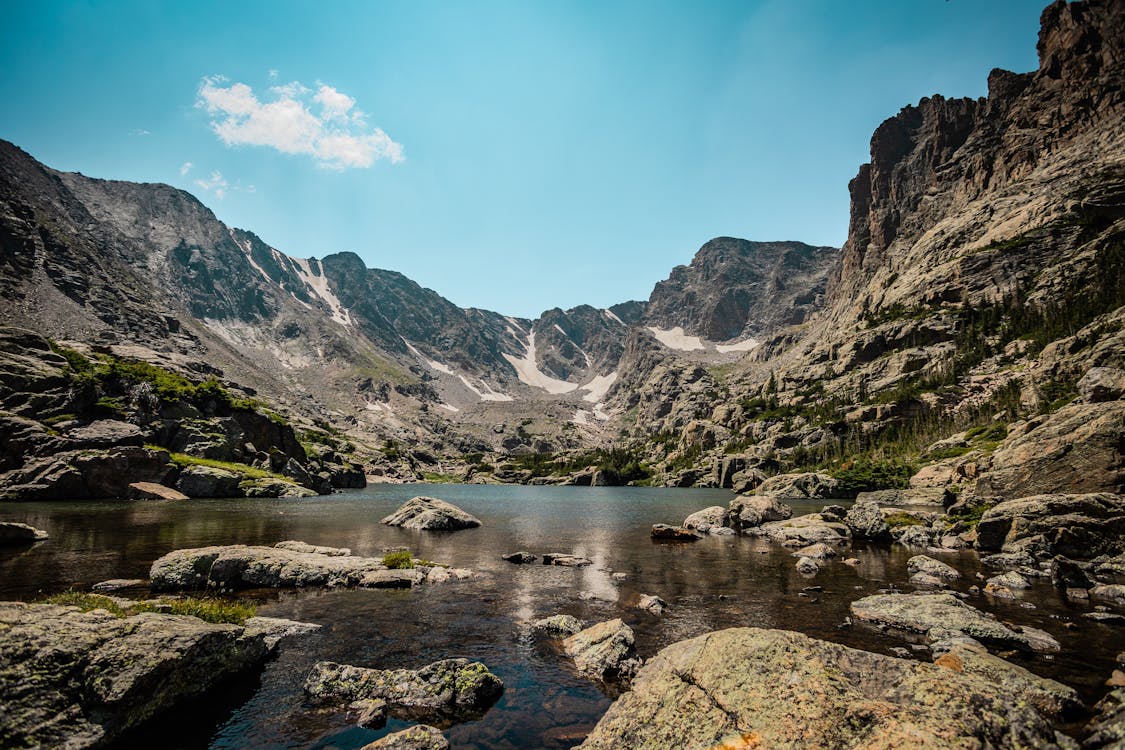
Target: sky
{"x": 511, "y": 155}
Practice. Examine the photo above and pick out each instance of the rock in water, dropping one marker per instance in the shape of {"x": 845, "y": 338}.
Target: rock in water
{"x": 666, "y": 533}
{"x": 557, "y": 625}
{"x": 1080, "y": 526}
{"x": 931, "y": 567}
{"x": 865, "y": 521}
{"x": 431, "y": 514}
{"x": 748, "y": 511}
{"x": 520, "y": 558}
{"x": 79, "y": 679}
{"x": 154, "y": 491}
{"x": 940, "y": 616}
{"x": 12, "y": 533}
{"x": 807, "y": 566}
{"x": 421, "y": 737}
{"x": 756, "y": 688}
{"x": 447, "y": 690}
{"x": 566, "y": 561}
{"x": 703, "y": 521}
{"x": 604, "y": 651}
{"x": 652, "y": 604}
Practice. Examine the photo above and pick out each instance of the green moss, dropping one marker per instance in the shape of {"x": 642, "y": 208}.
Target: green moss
{"x": 206, "y": 609}
{"x": 399, "y": 560}
{"x": 902, "y": 519}
{"x": 59, "y": 418}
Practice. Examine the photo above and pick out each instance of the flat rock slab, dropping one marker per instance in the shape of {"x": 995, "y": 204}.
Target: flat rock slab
{"x": 431, "y": 514}
{"x": 12, "y": 533}
{"x": 153, "y": 491}
{"x": 803, "y": 531}
{"x": 566, "y": 560}
{"x": 79, "y": 679}
{"x": 115, "y": 584}
{"x": 420, "y": 737}
{"x": 239, "y": 566}
{"x": 520, "y": 558}
{"x": 446, "y": 691}
{"x": 605, "y": 651}
{"x": 931, "y": 567}
{"x": 939, "y": 616}
{"x": 757, "y": 688}
{"x": 295, "y": 546}
{"x": 666, "y": 533}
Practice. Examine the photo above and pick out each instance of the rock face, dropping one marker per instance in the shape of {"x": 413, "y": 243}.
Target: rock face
{"x": 239, "y": 566}
{"x": 940, "y": 616}
{"x": 431, "y": 514}
{"x": 1079, "y": 526}
{"x": 604, "y": 651}
{"x": 447, "y": 690}
{"x": 749, "y": 687}
{"x": 79, "y": 679}
{"x": 12, "y": 533}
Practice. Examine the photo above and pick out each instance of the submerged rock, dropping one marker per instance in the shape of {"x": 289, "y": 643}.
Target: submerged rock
{"x": 520, "y": 558}
{"x": 431, "y": 514}
{"x": 939, "y": 616}
{"x": 557, "y": 626}
{"x": 447, "y": 690}
{"x": 652, "y": 604}
{"x": 420, "y": 737}
{"x": 13, "y": 533}
{"x": 604, "y": 651}
{"x": 80, "y": 679}
{"x": 566, "y": 561}
{"x": 756, "y": 688}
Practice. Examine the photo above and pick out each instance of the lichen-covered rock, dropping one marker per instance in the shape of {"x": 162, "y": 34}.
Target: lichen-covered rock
{"x": 420, "y": 737}
{"x": 1080, "y": 526}
{"x": 914, "y": 536}
{"x": 666, "y": 533}
{"x": 431, "y": 514}
{"x": 72, "y": 679}
{"x": 447, "y": 690}
{"x": 274, "y": 487}
{"x": 557, "y": 626}
{"x": 652, "y": 604}
{"x": 803, "y": 531}
{"x": 932, "y": 567}
{"x": 297, "y": 546}
{"x": 939, "y": 616}
{"x": 208, "y": 481}
{"x": 275, "y": 629}
{"x": 818, "y": 551}
{"x": 13, "y": 533}
{"x": 703, "y": 521}
{"x": 806, "y": 566}
{"x": 605, "y": 651}
{"x": 1107, "y": 730}
{"x": 865, "y": 521}
{"x": 749, "y": 511}
{"x": 565, "y": 560}
{"x": 810, "y": 485}
{"x": 750, "y": 687}
{"x": 1005, "y": 584}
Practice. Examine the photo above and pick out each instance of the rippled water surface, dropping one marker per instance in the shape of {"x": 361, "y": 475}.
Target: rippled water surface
{"x": 714, "y": 583}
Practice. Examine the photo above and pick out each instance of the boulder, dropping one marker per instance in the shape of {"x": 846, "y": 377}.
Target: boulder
{"x": 274, "y": 487}
{"x": 749, "y": 511}
{"x": 1107, "y": 730}
{"x": 1067, "y": 574}
{"x": 446, "y": 690}
{"x": 932, "y": 567}
{"x": 557, "y": 626}
{"x": 566, "y": 561}
{"x": 296, "y": 546}
{"x": 1110, "y": 592}
{"x": 746, "y": 480}
{"x": 13, "y": 533}
{"x": 420, "y": 737}
{"x": 238, "y": 566}
{"x": 666, "y": 533}
{"x": 810, "y": 485}
{"x": 86, "y": 474}
{"x": 865, "y": 521}
{"x": 807, "y": 566}
{"x": 654, "y": 605}
{"x": 757, "y": 688}
{"x": 939, "y": 616}
{"x": 81, "y": 679}
{"x": 116, "y": 584}
{"x": 818, "y": 551}
{"x": 208, "y": 481}
{"x": 105, "y": 433}
{"x": 804, "y": 530}
{"x": 520, "y": 558}
{"x": 1005, "y": 583}
{"x": 153, "y": 491}
{"x": 1080, "y": 526}
{"x": 939, "y": 496}
{"x": 431, "y": 514}
{"x": 703, "y": 521}
{"x": 1102, "y": 384}
{"x": 914, "y": 536}
{"x": 604, "y": 651}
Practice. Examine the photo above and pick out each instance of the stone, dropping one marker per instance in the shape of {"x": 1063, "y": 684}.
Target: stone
{"x": 274, "y": 487}
{"x": 273, "y": 630}
{"x": 13, "y": 533}
{"x": 153, "y": 491}
{"x": 938, "y": 616}
{"x": 806, "y": 566}
{"x": 1067, "y": 574}
{"x": 1107, "y": 729}
{"x": 208, "y": 481}
{"x": 804, "y": 530}
{"x": 604, "y": 651}
{"x": 654, "y": 605}
{"x": 932, "y": 567}
{"x": 1011, "y": 580}
{"x": 818, "y": 551}
{"x": 1102, "y": 384}
{"x": 520, "y": 558}
{"x": 748, "y": 511}
{"x": 81, "y": 679}
{"x": 557, "y": 626}
{"x": 1008, "y": 560}
{"x": 565, "y": 560}
{"x": 927, "y": 580}
{"x": 665, "y": 533}
{"x": 431, "y": 514}
{"x": 370, "y": 713}
{"x": 1111, "y": 592}
{"x": 238, "y": 566}
{"x": 809, "y": 485}
{"x": 446, "y": 690}
{"x": 1079, "y": 526}
{"x": 703, "y": 521}
{"x": 915, "y": 536}
{"x": 115, "y": 584}
{"x": 756, "y": 688}
{"x": 419, "y": 737}
{"x": 865, "y": 521}
{"x": 105, "y": 433}
{"x": 296, "y": 546}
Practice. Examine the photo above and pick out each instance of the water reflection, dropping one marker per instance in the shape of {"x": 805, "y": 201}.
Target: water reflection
{"x": 715, "y": 583}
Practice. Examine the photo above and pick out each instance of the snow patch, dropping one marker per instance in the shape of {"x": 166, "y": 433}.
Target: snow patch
{"x": 487, "y": 394}
{"x": 528, "y": 372}
{"x": 580, "y": 417}
{"x": 432, "y": 364}
{"x": 675, "y": 338}
{"x": 738, "y": 346}
{"x": 609, "y": 314}
{"x": 598, "y": 387}
{"x": 319, "y": 286}
{"x": 248, "y": 248}
{"x": 560, "y": 330}
{"x": 448, "y": 407}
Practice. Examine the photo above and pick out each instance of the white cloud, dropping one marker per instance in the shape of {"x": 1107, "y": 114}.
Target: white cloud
{"x": 273, "y": 73}
{"x": 336, "y": 136}
{"x": 139, "y": 131}
{"x": 216, "y": 183}
{"x": 185, "y": 168}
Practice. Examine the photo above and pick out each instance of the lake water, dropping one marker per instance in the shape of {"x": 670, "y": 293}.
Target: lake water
{"x": 715, "y": 583}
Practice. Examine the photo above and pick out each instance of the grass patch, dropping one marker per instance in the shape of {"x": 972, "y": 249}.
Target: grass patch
{"x": 902, "y": 519}
{"x": 250, "y": 472}
{"x": 434, "y": 477}
{"x": 206, "y": 609}
{"x": 399, "y": 560}
{"x": 971, "y": 515}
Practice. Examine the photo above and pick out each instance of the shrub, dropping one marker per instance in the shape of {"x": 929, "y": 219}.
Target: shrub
{"x": 901, "y": 519}
{"x": 400, "y": 560}
{"x": 867, "y": 476}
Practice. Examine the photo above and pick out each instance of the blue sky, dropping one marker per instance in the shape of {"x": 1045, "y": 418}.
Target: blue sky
{"x": 510, "y": 155}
